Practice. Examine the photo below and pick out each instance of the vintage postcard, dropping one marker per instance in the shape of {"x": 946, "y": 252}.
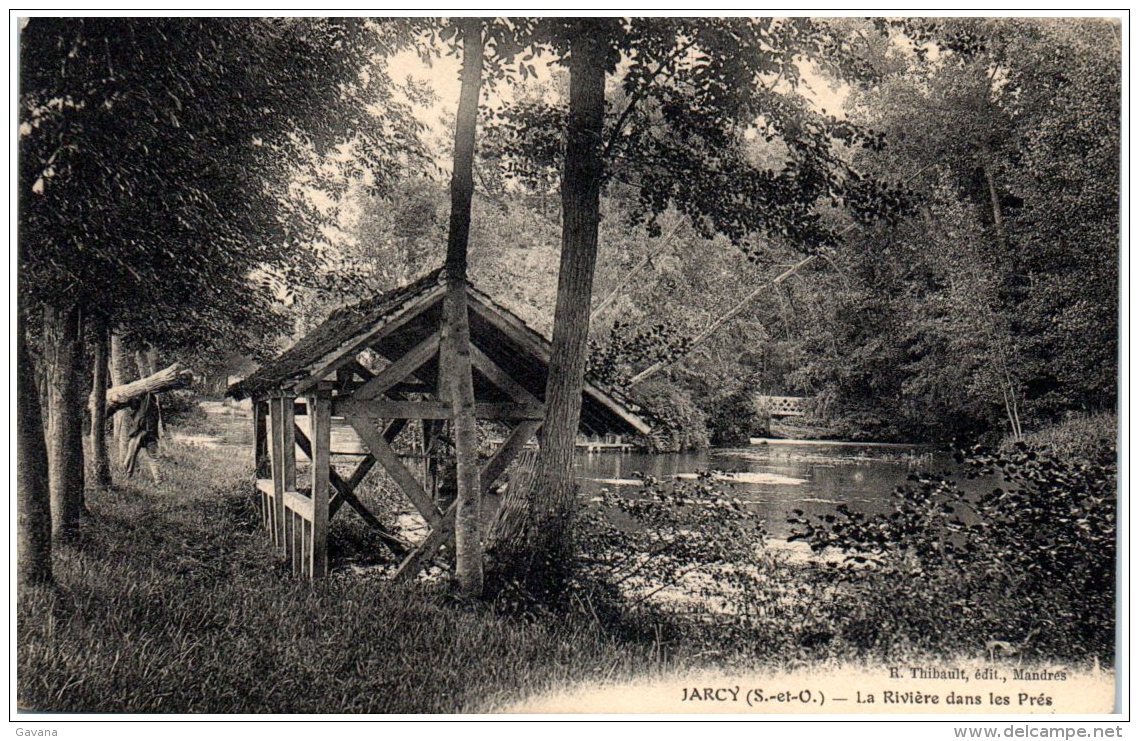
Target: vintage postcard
{"x": 565, "y": 365}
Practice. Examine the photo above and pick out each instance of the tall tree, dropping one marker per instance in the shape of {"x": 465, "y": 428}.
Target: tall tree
{"x": 997, "y": 308}
{"x": 455, "y": 366}
{"x": 693, "y": 94}
{"x": 550, "y": 531}
{"x": 98, "y": 464}
{"x": 63, "y": 371}
{"x": 33, "y": 501}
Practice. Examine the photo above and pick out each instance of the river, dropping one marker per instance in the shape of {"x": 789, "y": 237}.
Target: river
{"x": 773, "y": 477}
{"x": 776, "y": 478}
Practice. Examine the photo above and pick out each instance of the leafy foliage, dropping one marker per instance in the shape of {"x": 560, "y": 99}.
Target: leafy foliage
{"x": 162, "y": 160}
{"x": 1033, "y": 557}
{"x": 736, "y": 417}
{"x": 695, "y": 96}
{"x": 664, "y": 533}
{"x": 630, "y": 347}
{"x": 678, "y": 424}
{"x": 991, "y": 308}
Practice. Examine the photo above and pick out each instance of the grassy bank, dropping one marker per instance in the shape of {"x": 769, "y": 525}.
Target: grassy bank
{"x": 173, "y": 603}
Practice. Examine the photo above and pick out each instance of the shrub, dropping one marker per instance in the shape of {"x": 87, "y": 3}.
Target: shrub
{"x": 736, "y": 417}
{"x": 678, "y": 424}
{"x": 689, "y": 535}
{"x": 1032, "y": 561}
{"x": 181, "y": 406}
{"x": 1080, "y": 436}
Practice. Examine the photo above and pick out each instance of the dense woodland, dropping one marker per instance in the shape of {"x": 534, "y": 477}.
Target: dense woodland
{"x": 932, "y": 258}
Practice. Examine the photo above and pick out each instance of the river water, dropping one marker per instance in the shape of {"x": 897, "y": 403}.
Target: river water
{"x": 776, "y": 478}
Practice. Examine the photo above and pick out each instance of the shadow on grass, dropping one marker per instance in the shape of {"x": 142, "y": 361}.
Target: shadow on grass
{"x": 173, "y": 601}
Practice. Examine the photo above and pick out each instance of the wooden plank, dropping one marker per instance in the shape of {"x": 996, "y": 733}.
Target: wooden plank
{"x": 283, "y": 461}
{"x": 406, "y": 365}
{"x": 506, "y": 452}
{"x": 348, "y": 351}
{"x": 260, "y": 439}
{"x": 435, "y": 540}
{"x": 389, "y": 409}
{"x": 265, "y": 486}
{"x": 296, "y": 502}
{"x": 276, "y": 464}
{"x": 499, "y": 377}
{"x": 394, "y": 466}
{"x": 320, "y": 417}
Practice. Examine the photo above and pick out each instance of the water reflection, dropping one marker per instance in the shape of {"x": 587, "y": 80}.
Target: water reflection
{"x": 776, "y": 479}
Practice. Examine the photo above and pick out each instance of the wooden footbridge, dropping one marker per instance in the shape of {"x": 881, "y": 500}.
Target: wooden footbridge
{"x": 782, "y": 406}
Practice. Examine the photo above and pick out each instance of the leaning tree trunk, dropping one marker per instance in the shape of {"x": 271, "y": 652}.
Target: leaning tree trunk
{"x": 167, "y": 379}
{"x": 459, "y": 385}
{"x": 63, "y": 369}
{"x": 33, "y": 501}
{"x": 98, "y": 464}
{"x": 550, "y": 524}
{"x": 120, "y": 375}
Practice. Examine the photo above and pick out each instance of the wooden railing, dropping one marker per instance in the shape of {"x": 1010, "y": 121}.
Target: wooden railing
{"x": 782, "y": 406}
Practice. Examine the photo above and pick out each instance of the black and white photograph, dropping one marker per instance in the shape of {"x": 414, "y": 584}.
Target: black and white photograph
{"x": 568, "y": 364}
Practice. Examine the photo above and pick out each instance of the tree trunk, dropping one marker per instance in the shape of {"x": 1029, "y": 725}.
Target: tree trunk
{"x": 120, "y": 375}
{"x": 994, "y": 202}
{"x": 460, "y": 386}
{"x": 33, "y": 502}
{"x": 550, "y": 525}
{"x": 64, "y": 372}
{"x": 142, "y": 362}
{"x": 173, "y": 377}
{"x": 98, "y": 464}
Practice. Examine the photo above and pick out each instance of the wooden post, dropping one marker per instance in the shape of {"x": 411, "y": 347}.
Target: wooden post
{"x": 260, "y": 440}
{"x": 284, "y": 461}
{"x": 320, "y": 435}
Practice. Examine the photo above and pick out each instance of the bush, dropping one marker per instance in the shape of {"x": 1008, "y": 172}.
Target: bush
{"x": 1080, "y": 436}
{"x": 736, "y": 417}
{"x": 687, "y": 537}
{"x": 1032, "y": 562}
{"x": 678, "y": 424}
{"x": 181, "y": 406}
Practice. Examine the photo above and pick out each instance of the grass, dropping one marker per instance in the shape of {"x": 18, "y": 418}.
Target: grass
{"x": 1078, "y": 436}
{"x": 173, "y": 602}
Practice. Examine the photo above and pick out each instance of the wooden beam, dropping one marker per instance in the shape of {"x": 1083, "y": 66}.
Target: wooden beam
{"x": 358, "y": 368}
{"x": 261, "y": 465}
{"x": 500, "y": 378}
{"x": 391, "y": 432}
{"x": 320, "y": 416}
{"x": 347, "y": 352}
{"x": 506, "y": 452}
{"x": 435, "y": 539}
{"x": 284, "y": 461}
{"x": 346, "y": 490}
{"x": 388, "y": 409}
{"x": 406, "y": 365}
{"x": 387, "y": 457}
